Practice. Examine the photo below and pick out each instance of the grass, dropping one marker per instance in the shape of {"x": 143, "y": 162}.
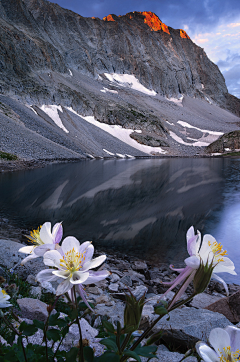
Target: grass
{"x": 8, "y": 156}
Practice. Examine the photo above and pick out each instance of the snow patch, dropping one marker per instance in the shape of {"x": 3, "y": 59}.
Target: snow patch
{"x": 31, "y": 107}
{"x": 120, "y": 155}
{"x": 105, "y": 90}
{"x": 70, "y": 72}
{"x": 110, "y": 153}
{"x": 180, "y": 140}
{"x": 172, "y": 124}
{"x": 177, "y": 101}
{"x": 130, "y": 81}
{"x": 185, "y": 124}
{"x": 123, "y": 134}
{"x": 52, "y": 112}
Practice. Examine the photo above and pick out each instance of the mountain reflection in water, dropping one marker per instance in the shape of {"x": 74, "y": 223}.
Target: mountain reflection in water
{"x": 139, "y": 207}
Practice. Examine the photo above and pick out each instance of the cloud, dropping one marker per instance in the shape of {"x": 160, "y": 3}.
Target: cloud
{"x": 233, "y": 25}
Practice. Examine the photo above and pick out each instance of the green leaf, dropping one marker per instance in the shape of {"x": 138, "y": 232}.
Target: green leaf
{"x": 154, "y": 338}
{"x": 64, "y": 331}
{"x": 132, "y": 354}
{"x": 53, "y": 334}
{"x": 110, "y": 344}
{"x": 146, "y": 351}
{"x": 160, "y": 310}
{"x": 88, "y": 354}
{"x": 29, "y": 330}
{"x": 38, "y": 324}
{"x": 109, "y": 327}
{"x": 72, "y": 354}
{"x": 53, "y": 319}
{"x": 108, "y": 357}
{"x": 73, "y": 314}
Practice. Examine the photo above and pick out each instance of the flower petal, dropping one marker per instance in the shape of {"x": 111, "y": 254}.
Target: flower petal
{"x": 89, "y": 253}
{"x": 69, "y": 243}
{"x": 79, "y": 277}
{"x": 186, "y": 283}
{"x": 57, "y": 233}
{"x": 29, "y": 257}
{"x": 93, "y": 263}
{"x": 82, "y": 294}
{"x": 95, "y": 277}
{"x": 45, "y": 233}
{"x": 27, "y": 249}
{"x": 61, "y": 273}
{"x": 64, "y": 287}
{"x": 193, "y": 262}
{"x": 225, "y": 266}
{"x": 83, "y": 247}
{"x": 52, "y": 258}
{"x": 46, "y": 275}
{"x": 214, "y": 276}
{"x": 219, "y": 339}
{"x": 207, "y": 353}
{"x": 234, "y": 334}
{"x": 42, "y": 249}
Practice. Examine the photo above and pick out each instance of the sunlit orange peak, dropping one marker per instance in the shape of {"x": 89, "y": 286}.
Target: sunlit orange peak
{"x": 153, "y": 21}
{"x": 183, "y": 34}
{"x": 108, "y": 18}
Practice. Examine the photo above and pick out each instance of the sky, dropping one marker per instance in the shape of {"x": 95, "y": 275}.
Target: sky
{"x": 212, "y": 24}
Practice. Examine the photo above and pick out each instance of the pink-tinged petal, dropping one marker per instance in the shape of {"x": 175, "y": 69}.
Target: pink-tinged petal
{"x": 185, "y": 273}
{"x": 79, "y": 277}
{"x": 207, "y": 353}
{"x": 208, "y": 240}
{"x": 42, "y": 249}
{"x": 83, "y": 296}
{"x": 45, "y": 233}
{"x": 93, "y": 263}
{"x": 175, "y": 269}
{"x": 89, "y": 253}
{"x": 191, "y": 245}
{"x": 214, "y": 276}
{"x": 30, "y": 257}
{"x": 190, "y": 233}
{"x": 193, "y": 262}
{"x": 57, "y": 233}
{"x": 178, "y": 295}
{"x": 225, "y": 266}
{"x": 27, "y": 249}
{"x": 52, "y": 258}
{"x": 46, "y": 275}
{"x": 69, "y": 243}
{"x": 234, "y": 334}
{"x": 61, "y": 273}
{"x": 64, "y": 287}
{"x": 219, "y": 339}
{"x": 83, "y": 247}
{"x": 95, "y": 277}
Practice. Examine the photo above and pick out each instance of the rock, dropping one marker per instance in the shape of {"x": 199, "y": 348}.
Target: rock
{"x": 114, "y": 313}
{"x": 228, "y": 306}
{"x": 139, "y": 291}
{"x": 33, "y": 309}
{"x": 188, "y": 325}
{"x": 121, "y": 296}
{"x": 203, "y": 300}
{"x": 36, "y": 292}
{"x": 140, "y": 266}
{"x": 113, "y": 287}
{"x": 94, "y": 290}
{"x": 11, "y": 258}
{"x": 114, "y": 278}
{"x": 126, "y": 280}
{"x": 103, "y": 299}
{"x": 135, "y": 276}
{"x": 31, "y": 279}
{"x": 167, "y": 356}
{"x": 48, "y": 288}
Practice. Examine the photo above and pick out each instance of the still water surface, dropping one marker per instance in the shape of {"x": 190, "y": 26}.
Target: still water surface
{"x": 139, "y": 207}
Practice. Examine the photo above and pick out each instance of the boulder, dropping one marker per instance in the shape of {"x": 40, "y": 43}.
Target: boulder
{"x": 228, "y": 306}
{"x": 203, "y": 300}
{"x": 33, "y": 309}
{"x": 186, "y": 326}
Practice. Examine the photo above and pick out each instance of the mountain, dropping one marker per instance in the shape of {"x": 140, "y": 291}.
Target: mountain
{"x": 66, "y": 78}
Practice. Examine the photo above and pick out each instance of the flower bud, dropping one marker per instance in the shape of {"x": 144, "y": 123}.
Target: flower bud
{"x": 133, "y": 312}
{"x": 202, "y": 277}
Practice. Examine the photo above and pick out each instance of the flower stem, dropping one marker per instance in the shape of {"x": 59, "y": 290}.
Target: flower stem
{"x": 81, "y": 358}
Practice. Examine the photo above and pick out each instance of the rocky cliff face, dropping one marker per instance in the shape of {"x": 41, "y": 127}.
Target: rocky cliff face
{"x": 131, "y": 70}
{"x": 37, "y": 35}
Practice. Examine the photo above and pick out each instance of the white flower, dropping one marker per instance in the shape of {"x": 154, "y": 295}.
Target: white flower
{"x": 43, "y": 240}
{"x": 226, "y": 344}
{"x": 4, "y": 303}
{"x": 210, "y": 253}
{"x": 73, "y": 262}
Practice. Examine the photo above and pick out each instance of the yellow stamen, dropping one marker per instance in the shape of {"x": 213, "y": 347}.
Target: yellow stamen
{"x": 72, "y": 260}
{"x": 217, "y": 249}
{"x": 35, "y": 236}
{"x": 229, "y": 356}
{"x": 4, "y": 293}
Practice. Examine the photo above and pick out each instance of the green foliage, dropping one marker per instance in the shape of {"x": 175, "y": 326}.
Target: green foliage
{"x": 8, "y": 156}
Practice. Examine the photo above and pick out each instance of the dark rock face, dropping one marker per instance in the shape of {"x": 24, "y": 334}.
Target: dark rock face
{"x": 229, "y": 141}
{"x": 38, "y": 37}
